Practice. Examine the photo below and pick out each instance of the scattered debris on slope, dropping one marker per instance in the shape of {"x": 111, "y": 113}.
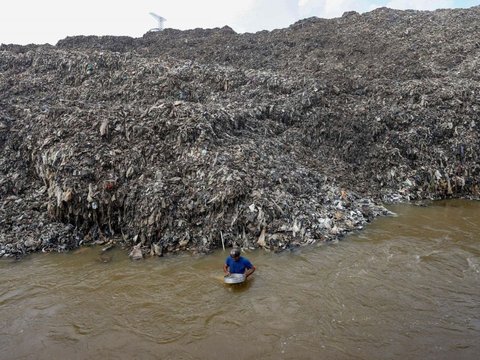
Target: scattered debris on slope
{"x": 194, "y": 140}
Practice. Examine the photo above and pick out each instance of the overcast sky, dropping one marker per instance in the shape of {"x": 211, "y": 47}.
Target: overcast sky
{"x": 47, "y": 21}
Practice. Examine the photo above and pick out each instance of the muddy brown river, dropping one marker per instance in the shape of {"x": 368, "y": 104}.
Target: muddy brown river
{"x": 406, "y": 287}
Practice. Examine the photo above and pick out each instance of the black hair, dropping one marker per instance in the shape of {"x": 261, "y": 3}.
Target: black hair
{"x": 235, "y": 252}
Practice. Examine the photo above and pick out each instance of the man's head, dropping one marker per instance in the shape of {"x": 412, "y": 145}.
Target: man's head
{"x": 235, "y": 253}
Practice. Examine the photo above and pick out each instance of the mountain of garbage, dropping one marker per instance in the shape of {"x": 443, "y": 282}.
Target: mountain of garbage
{"x": 201, "y": 139}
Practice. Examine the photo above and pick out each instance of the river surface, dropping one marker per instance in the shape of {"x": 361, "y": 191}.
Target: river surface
{"x": 406, "y": 287}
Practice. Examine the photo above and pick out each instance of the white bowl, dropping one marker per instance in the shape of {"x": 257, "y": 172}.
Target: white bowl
{"x": 234, "y": 279}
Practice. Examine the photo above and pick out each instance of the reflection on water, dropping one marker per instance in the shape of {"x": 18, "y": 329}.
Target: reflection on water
{"x": 405, "y": 287}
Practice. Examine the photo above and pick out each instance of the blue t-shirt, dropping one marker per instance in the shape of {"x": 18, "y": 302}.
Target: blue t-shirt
{"x": 238, "y": 267}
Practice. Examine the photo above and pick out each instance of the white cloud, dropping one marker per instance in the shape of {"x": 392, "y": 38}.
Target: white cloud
{"x": 187, "y": 14}
{"x": 268, "y": 14}
{"x": 332, "y": 8}
{"x": 337, "y": 8}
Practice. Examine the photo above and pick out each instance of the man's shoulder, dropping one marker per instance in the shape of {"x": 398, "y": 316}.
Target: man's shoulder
{"x": 244, "y": 260}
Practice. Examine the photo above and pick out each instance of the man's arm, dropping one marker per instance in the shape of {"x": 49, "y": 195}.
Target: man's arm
{"x": 250, "y": 271}
{"x": 225, "y": 269}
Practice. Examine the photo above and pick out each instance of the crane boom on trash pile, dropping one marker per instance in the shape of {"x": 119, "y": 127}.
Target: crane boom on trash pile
{"x": 161, "y": 20}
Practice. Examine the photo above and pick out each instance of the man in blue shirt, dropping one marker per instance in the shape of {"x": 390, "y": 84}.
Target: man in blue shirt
{"x": 236, "y": 264}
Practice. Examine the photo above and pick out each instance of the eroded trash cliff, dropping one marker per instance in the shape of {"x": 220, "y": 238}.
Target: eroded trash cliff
{"x": 194, "y": 140}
